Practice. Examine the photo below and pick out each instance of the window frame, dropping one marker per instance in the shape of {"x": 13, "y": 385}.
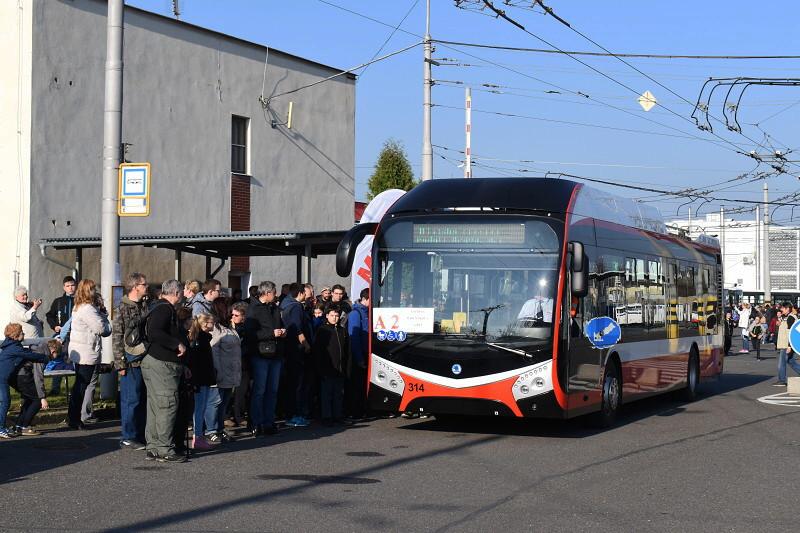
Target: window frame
{"x": 246, "y": 170}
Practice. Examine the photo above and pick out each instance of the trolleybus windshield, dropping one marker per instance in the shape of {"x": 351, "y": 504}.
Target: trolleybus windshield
{"x": 494, "y": 279}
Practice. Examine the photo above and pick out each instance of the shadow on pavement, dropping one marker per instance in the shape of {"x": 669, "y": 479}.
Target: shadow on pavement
{"x": 580, "y": 427}
{"x": 27, "y": 456}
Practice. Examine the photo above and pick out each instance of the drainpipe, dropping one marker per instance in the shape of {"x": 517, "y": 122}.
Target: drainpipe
{"x": 43, "y": 250}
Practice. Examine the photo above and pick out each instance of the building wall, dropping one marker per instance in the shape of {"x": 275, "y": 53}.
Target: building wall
{"x": 743, "y": 247}
{"x": 15, "y": 134}
{"x": 182, "y": 84}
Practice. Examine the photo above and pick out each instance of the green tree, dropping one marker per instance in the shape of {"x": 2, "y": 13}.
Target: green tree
{"x": 392, "y": 171}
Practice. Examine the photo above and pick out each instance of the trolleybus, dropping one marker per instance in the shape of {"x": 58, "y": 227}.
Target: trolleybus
{"x": 533, "y": 298}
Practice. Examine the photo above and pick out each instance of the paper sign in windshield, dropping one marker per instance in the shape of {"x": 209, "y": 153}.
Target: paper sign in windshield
{"x": 405, "y": 319}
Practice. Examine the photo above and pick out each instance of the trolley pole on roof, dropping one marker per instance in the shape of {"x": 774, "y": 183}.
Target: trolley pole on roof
{"x": 468, "y": 133}
{"x": 767, "y": 281}
{"x": 112, "y": 137}
{"x": 427, "y": 147}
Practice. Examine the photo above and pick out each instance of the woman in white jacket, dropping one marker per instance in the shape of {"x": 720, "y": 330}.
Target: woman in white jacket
{"x": 744, "y": 323}
{"x": 89, "y": 324}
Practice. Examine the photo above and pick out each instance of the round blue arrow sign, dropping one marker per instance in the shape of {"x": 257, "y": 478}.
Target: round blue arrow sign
{"x": 794, "y": 336}
{"x": 603, "y": 332}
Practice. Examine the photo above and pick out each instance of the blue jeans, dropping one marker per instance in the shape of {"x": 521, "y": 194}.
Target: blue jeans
{"x": 331, "y": 396}
{"x": 201, "y": 397}
{"x": 5, "y": 403}
{"x": 215, "y": 409}
{"x": 133, "y": 404}
{"x": 745, "y": 340}
{"x": 264, "y": 395}
{"x": 783, "y": 360}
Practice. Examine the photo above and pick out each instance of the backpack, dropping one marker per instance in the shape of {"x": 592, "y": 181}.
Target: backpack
{"x": 136, "y": 333}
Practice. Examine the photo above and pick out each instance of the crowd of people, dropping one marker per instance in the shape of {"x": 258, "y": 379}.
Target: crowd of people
{"x": 761, "y": 325}
{"x": 193, "y": 360}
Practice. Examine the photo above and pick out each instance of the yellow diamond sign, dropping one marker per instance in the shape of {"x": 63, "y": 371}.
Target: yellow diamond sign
{"x": 647, "y": 101}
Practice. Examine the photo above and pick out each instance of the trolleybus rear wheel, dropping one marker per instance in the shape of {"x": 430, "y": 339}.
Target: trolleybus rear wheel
{"x": 689, "y": 393}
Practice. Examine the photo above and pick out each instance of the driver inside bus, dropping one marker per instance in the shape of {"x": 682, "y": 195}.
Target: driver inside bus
{"x": 539, "y": 309}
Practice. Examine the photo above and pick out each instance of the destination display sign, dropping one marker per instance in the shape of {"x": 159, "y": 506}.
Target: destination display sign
{"x": 469, "y": 233}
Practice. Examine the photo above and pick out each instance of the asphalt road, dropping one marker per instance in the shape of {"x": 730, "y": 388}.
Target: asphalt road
{"x": 724, "y": 463}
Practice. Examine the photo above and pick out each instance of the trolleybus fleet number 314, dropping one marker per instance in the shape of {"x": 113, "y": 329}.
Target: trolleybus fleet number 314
{"x": 533, "y": 298}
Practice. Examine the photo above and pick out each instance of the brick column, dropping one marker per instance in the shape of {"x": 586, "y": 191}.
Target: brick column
{"x": 240, "y": 215}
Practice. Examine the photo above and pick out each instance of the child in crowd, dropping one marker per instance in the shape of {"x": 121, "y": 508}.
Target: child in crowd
{"x": 12, "y": 355}
{"x": 201, "y": 365}
{"x": 331, "y": 355}
{"x": 30, "y": 384}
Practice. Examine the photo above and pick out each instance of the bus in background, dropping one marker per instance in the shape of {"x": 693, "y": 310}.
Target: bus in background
{"x": 506, "y": 297}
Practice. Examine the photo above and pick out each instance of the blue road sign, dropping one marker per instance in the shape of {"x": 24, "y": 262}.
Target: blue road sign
{"x": 794, "y": 336}
{"x": 603, "y": 332}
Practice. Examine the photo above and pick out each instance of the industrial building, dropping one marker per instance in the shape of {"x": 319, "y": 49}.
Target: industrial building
{"x": 235, "y": 191}
{"x": 742, "y": 244}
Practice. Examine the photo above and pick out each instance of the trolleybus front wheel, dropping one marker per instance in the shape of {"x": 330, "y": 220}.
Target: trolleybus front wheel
{"x": 611, "y": 401}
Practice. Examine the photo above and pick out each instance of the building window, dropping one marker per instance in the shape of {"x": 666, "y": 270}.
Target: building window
{"x": 240, "y": 132}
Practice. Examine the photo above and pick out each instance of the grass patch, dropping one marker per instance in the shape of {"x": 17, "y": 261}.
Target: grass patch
{"x": 59, "y": 401}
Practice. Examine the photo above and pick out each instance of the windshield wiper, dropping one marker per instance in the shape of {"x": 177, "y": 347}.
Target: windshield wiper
{"x": 518, "y": 352}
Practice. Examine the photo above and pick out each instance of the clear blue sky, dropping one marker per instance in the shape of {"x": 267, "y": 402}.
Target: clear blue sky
{"x": 389, "y": 93}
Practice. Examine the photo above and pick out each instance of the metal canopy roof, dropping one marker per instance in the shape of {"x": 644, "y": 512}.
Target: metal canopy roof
{"x": 221, "y": 245}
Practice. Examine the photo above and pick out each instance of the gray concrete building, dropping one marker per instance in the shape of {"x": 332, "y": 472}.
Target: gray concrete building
{"x": 191, "y": 109}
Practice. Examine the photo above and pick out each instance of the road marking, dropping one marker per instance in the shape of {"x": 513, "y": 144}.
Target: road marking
{"x": 783, "y": 398}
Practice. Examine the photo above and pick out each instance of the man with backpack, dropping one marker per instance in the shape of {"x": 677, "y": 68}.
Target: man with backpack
{"x": 128, "y": 360}
{"x": 162, "y": 370}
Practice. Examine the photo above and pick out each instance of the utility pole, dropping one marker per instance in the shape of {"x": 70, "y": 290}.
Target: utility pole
{"x": 767, "y": 281}
{"x": 689, "y": 225}
{"x": 468, "y": 133}
{"x": 758, "y": 262}
{"x": 112, "y": 137}
{"x": 722, "y": 235}
{"x": 427, "y": 148}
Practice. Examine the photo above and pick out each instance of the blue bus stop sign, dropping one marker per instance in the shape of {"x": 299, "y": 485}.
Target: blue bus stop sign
{"x": 794, "y": 336}
{"x": 603, "y": 332}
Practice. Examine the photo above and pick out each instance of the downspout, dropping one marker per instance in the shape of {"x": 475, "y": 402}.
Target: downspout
{"x": 43, "y": 250}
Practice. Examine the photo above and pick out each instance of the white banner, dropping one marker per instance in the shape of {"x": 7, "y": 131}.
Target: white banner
{"x": 361, "y": 276}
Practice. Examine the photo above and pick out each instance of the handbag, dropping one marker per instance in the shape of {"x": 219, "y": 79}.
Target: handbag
{"x": 268, "y": 348}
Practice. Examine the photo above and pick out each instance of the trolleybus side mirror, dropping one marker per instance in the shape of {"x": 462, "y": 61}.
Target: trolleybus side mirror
{"x": 711, "y": 322}
{"x": 579, "y": 269}
{"x": 346, "y": 251}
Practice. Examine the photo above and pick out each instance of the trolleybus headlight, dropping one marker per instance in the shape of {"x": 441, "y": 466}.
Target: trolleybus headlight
{"x": 539, "y": 382}
{"x": 525, "y": 389}
{"x": 381, "y": 375}
{"x": 393, "y": 384}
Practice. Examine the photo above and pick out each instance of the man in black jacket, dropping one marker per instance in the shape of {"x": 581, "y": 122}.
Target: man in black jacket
{"x": 162, "y": 369}
{"x": 61, "y": 311}
{"x": 61, "y": 308}
{"x": 265, "y": 332}
{"x": 297, "y": 349}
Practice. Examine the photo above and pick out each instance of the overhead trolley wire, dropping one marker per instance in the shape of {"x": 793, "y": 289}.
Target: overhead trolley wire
{"x": 500, "y": 13}
{"x": 605, "y": 54}
{"x": 736, "y": 148}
